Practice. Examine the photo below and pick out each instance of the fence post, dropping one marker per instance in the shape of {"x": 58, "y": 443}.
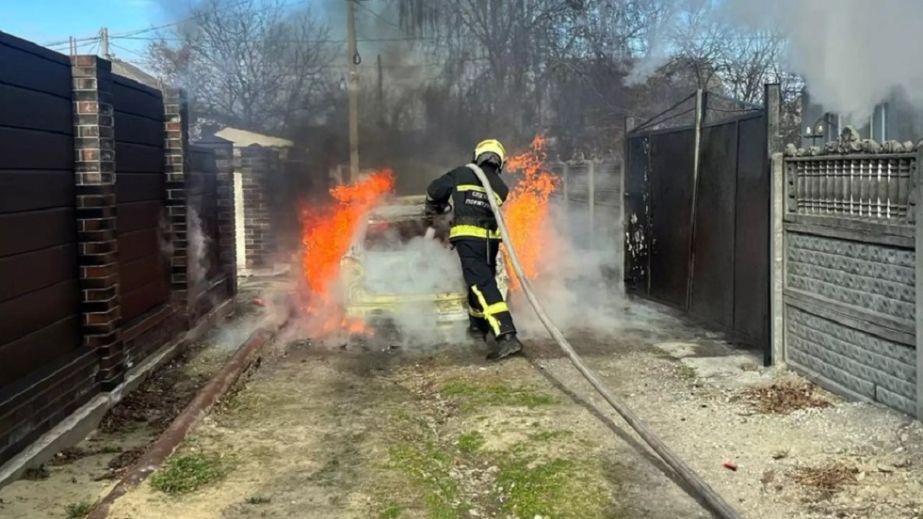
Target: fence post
{"x": 565, "y": 173}
{"x": 772, "y": 104}
{"x": 690, "y": 275}
{"x": 94, "y": 176}
{"x": 591, "y": 199}
{"x": 777, "y": 260}
{"x": 176, "y": 144}
{"x": 227, "y": 231}
{"x": 255, "y": 164}
{"x": 917, "y": 178}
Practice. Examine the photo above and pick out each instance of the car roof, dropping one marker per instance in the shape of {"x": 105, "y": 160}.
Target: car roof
{"x": 399, "y": 208}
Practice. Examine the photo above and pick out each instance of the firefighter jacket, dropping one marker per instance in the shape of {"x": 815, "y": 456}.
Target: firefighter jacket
{"x": 473, "y": 217}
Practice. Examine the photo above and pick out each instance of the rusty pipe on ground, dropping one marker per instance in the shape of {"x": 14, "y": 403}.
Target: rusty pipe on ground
{"x": 699, "y": 487}
{"x": 203, "y": 402}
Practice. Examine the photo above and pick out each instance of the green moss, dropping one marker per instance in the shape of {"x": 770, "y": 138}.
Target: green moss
{"x": 392, "y": 511}
{"x": 470, "y": 442}
{"x": 474, "y": 395}
{"x": 258, "y": 500}
{"x": 548, "y": 435}
{"x": 187, "y": 473}
{"x": 557, "y": 488}
{"x": 78, "y": 510}
{"x": 686, "y": 372}
{"x": 428, "y": 466}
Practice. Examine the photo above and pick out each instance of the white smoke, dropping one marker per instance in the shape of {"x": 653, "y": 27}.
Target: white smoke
{"x": 197, "y": 241}
{"x": 420, "y": 266}
{"x": 580, "y": 288}
{"x": 853, "y": 54}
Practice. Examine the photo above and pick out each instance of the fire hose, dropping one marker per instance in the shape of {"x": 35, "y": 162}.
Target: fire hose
{"x": 711, "y": 499}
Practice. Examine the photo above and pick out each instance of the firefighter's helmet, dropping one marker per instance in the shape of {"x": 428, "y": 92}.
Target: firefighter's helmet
{"x": 490, "y": 150}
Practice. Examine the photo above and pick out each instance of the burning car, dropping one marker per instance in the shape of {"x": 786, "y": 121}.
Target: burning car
{"x": 400, "y": 273}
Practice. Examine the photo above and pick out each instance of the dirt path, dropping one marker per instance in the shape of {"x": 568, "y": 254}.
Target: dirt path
{"x": 320, "y": 433}
{"x": 340, "y": 435}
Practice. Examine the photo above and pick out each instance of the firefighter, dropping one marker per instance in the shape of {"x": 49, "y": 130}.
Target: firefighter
{"x": 475, "y": 236}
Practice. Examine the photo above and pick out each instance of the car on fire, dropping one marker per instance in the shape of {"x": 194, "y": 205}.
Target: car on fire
{"x": 399, "y": 271}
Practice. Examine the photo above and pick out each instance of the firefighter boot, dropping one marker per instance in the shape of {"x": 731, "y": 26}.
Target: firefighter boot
{"x": 506, "y": 345}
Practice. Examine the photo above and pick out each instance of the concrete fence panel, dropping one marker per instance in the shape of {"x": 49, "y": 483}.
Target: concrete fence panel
{"x": 848, "y": 272}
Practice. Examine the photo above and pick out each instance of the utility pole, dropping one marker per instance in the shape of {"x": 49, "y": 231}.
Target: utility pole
{"x": 104, "y": 43}
{"x": 381, "y": 96}
{"x": 72, "y": 42}
{"x": 353, "y": 91}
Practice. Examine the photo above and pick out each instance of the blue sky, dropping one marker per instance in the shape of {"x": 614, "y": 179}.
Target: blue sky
{"x": 45, "y": 21}
{"x": 48, "y": 21}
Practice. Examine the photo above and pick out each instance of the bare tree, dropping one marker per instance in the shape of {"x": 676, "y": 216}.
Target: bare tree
{"x": 257, "y": 64}
{"x": 749, "y": 61}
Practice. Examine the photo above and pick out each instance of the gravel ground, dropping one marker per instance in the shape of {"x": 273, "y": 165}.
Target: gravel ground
{"x": 692, "y": 389}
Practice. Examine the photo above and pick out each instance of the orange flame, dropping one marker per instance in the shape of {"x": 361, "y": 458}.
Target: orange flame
{"x": 526, "y": 210}
{"x": 326, "y": 234}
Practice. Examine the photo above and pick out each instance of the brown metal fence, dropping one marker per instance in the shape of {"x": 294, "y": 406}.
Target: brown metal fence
{"x": 697, "y": 215}
{"x": 93, "y": 232}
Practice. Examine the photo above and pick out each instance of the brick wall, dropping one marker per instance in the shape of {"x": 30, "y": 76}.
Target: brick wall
{"x": 98, "y": 163}
{"x": 256, "y": 166}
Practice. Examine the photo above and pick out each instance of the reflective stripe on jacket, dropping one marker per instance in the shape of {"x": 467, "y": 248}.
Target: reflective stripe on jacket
{"x": 473, "y": 217}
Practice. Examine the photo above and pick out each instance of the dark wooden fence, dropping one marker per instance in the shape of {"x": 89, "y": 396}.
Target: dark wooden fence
{"x": 86, "y": 154}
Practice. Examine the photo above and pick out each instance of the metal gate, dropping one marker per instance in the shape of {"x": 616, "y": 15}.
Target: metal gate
{"x": 697, "y": 215}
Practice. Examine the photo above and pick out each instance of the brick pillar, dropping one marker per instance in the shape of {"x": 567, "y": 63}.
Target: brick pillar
{"x": 176, "y": 133}
{"x": 94, "y": 176}
{"x": 255, "y": 163}
{"x": 227, "y": 232}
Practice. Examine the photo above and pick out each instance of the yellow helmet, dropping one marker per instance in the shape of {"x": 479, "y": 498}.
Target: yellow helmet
{"x": 490, "y": 146}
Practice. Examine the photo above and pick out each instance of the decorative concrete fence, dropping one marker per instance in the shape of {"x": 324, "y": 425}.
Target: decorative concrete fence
{"x": 846, "y": 277}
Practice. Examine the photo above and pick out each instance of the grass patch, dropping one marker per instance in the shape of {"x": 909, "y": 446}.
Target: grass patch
{"x": 475, "y": 395}
{"x": 78, "y": 510}
{"x": 258, "y": 500}
{"x": 548, "y": 435}
{"x": 557, "y": 488}
{"x": 686, "y": 372}
{"x": 784, "y": 397}
{"x": 188, "y": 473}
{"x": 470, "y": 442}
{"x": 428, "y": 466}
{"x": 391, "y": 511}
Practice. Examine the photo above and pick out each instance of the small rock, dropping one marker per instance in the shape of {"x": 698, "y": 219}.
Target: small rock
{"x": 474, "y": 513}
{"x": 778, "y": 455}
{"x": 768, "y": 476}
{"x": 884, "y": 467}
{"x": 860, "y": 476}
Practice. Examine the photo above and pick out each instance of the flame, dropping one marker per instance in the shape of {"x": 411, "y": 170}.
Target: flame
{"x": 526, "y": 210}
{"x": 326, "y": 236}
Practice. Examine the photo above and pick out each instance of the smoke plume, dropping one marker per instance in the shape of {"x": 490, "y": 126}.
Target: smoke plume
{"x": 852, "y": 53}
{"x": 580, "y": 286}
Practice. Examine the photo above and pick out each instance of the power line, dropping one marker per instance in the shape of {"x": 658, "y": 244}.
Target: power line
{"x": 288, "y": 40}
{"x": 146, "y": 30}
{"x": 130, "y": 51}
